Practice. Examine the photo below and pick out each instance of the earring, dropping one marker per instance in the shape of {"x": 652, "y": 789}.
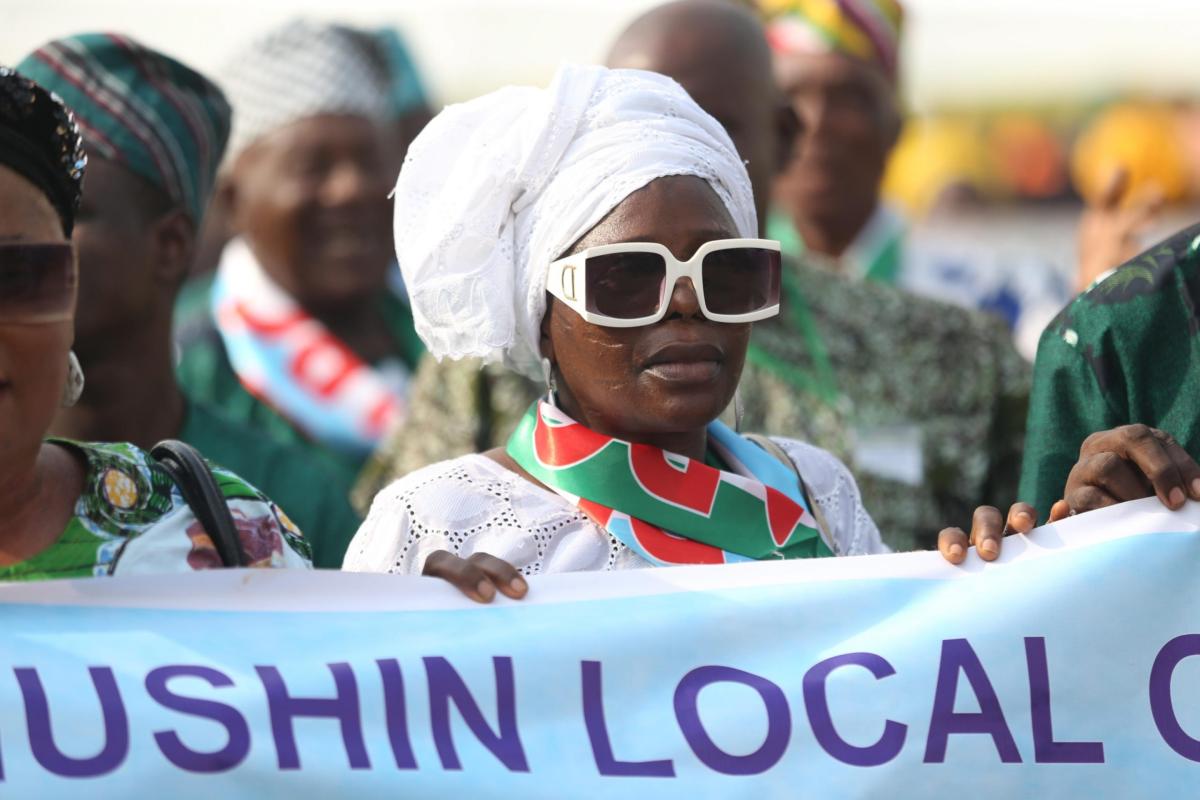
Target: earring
{"x": 548, "y": 379}
{"x": 739, "y": 410}
{"x": 74, "y": 387}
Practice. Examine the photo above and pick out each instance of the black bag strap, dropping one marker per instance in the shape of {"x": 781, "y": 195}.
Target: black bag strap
{"x": 199, "y": 488}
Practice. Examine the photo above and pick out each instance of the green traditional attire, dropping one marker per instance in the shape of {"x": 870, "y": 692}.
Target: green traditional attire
{"x": 1126, "y": 351}
{"x": 313, "y": 494}
{"x": 925, "y": 402}
{"x": 131, "y": 518}
{"x": 250, "y": 350}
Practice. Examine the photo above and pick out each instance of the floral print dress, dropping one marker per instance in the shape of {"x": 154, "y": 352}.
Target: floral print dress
{"x": 131, "y": 518}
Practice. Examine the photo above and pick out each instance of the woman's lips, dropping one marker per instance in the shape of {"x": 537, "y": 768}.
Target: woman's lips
{"x": 693, "y": 362}
{"x": 686, "y": 371}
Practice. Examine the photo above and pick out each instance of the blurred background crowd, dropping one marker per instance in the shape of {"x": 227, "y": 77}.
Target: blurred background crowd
{"x": 1016, "y": 114}
{"x": 1000, "y": 157}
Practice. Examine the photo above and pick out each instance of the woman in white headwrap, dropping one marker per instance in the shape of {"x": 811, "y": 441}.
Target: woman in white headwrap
{"x": 597, "y": 234}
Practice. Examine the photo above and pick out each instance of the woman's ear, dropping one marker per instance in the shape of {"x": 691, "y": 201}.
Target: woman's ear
{"x": 546, "y": 342}
{"x": 174, "y": 241}
{"x": 788, "y": 127}
{"x": 224, "y": 204}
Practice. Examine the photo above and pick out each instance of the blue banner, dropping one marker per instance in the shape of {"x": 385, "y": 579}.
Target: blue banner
{"x": 1070, "y": 668}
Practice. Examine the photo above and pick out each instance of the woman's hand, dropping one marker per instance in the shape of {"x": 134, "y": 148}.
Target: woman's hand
{"x": 988, "y": 528}
{"x": 478, "y": 577}
{"x": 1128, "y": 463}
{"x": 1125, "y": 463}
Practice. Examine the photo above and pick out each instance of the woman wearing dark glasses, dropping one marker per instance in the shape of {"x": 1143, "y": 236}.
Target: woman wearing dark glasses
{"x": 598, "y": 234}
{"x": 71, "y": 509}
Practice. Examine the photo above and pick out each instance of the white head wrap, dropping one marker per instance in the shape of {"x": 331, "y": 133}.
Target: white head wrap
{"x": 495, "y": 189}
{"x": 301, "y": 69}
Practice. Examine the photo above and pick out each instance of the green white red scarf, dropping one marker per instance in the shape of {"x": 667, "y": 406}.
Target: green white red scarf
{"x": 290, "y": 360}
{"x": 668, "y": 508}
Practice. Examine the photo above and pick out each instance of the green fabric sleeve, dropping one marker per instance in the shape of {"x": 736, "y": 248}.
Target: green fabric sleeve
{"x": 1066, "y": 407}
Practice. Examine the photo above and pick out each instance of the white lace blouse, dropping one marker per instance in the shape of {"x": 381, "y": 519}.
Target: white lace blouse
{"x": 471, "y": 504}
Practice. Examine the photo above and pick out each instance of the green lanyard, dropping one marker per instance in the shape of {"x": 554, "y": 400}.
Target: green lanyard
{"x": 881, "y": 243}
{"x": 885, "y": 267}
{"x": 819, "y": 381}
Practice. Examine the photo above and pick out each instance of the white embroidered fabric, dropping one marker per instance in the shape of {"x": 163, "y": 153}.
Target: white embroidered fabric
{"x": 494, "y": 189}
{"x": 472, "y": 505}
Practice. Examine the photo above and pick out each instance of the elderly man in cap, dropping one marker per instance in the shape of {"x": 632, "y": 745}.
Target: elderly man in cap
{"x": 838, "y": 63}
{"x": 301, "y": 332}
{"x": 855, "y": 367}
{"x": 155, "y": 130}
{"x": 836, "y": 60}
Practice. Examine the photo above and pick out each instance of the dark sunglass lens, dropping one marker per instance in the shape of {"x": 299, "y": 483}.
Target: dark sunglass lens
{"x": 741, "y": 280}
{"x": 36, "y": 282}
{"x": 625, "y": 285}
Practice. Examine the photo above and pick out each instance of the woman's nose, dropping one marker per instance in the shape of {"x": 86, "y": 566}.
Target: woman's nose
{"x": 348, "y": 182}
{"x": 684, "y": 301}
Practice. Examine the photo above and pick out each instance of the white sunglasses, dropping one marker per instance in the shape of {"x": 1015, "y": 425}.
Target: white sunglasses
{"x": 628, "y": 285}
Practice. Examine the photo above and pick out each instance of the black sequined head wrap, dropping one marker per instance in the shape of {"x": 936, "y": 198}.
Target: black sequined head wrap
{"x": 40, "y": 141}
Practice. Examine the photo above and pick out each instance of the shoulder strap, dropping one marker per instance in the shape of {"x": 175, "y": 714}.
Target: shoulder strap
{"x": 199, "y": 488}
{"x": 780, "y": 455}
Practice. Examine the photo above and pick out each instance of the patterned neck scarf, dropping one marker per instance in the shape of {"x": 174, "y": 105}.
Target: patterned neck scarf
{"x": 668, "y": 508}
{"x": 292, "y": 362}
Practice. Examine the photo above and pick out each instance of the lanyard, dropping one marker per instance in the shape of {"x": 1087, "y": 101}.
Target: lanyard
{"x": 819, "y": 381}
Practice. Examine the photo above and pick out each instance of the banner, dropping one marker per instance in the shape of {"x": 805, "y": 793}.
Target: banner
{"x": 1070, "y": 668}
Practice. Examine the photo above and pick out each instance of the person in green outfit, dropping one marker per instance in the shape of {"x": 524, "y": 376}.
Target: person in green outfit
{"x": 838, "y": 66}
{"x": 77, "y": 509}
{"x": 1124, "y": 353}
{"x": 300, "y": 332}
{"x": 155, "y": 143}
{"x": 925, "y": 402}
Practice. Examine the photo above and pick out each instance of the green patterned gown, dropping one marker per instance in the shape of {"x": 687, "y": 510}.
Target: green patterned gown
{"x": 131, "y": 519}
{"x": 1126, "y": 351}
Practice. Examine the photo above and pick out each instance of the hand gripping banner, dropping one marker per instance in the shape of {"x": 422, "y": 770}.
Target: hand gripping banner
{"x": 1070, "y": 668}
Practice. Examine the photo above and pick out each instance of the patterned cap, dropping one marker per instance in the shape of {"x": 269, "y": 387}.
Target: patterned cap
{"x": 142, "y": 109}
{"x": 300, "y": 70}
{"x": 40, "y": 140}
{"x": 407, "y": 88}
{"x": 866, "y": 29}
